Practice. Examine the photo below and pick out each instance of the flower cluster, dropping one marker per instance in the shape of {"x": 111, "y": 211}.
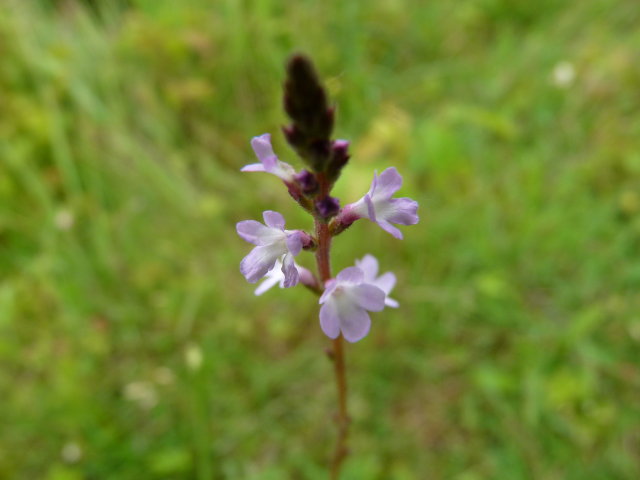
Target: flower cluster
{"x": 346, "y": 299}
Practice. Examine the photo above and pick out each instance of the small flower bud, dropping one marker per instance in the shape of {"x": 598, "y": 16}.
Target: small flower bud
{"x": 342, "y": 221}
{"x": 307, "y": 182}
{"x": 338, "y": 158}
{"x": 327, "y": 207}
{"x": 308, "y": 242}
{"x": 294, "y": 136}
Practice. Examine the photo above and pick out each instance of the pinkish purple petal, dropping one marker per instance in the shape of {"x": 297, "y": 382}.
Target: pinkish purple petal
{"x": 371, "y": 210}
{"x": 403, "y": 211}
{"x": 294, "y": 242}
{"x": 259, "y": 261}
{"x": 273, "y": 219}
{"x": 385, "y": 282}
{"x": 306, "y": 277}
{"x": 369, "y": 297}
{"x": 253, "y": 167}
{"x": 329, "y": 320}
{"x": 352, "y": 275}
{"x": 387, "y": 184}
{"x": 329, "y": 288}
{"x": 386, "y": 226}
{"x": 256, "y": 233}
{"x": 290, "y": 272}
{"x": 390, "y": 302}
{"x": 369, "y": 266}
{"x": 262, "y": 147}
{"x": 354, "y": 323}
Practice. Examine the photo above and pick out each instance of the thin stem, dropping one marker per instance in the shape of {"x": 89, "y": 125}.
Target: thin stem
{"x": 323, "y": 260}
{"x": 341, "y": 450}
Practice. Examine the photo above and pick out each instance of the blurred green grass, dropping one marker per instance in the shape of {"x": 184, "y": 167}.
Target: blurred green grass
{"x": 130, "y": 345}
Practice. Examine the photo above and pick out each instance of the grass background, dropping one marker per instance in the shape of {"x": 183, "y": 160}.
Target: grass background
{"x": 130, "y": 345}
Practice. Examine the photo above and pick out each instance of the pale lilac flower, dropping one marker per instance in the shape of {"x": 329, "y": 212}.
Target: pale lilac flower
{"x": 378, "y": 206}
{"x": 275, "y": 276}
{"x": 273, "y": 243}
{"x": 268, "y": 160}
{"x": 385, "y": 282}
{"x": 345, "y": 302}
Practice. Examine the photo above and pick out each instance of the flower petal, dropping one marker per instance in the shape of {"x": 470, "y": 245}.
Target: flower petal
{"x": 368, "y": 296}
{"x": 351, "y": 275}
{"x": 385, "y": 282}
{"x": 262, "y": 146}
{"x": 253, "y": 167}
{"x": 256, "y": 233}
{"x": 369, "y": 266}
{"x": 273, "y": 219}
{"x": 387, "y": 184}
{"x": 294, "y": 242}
{"x": 283, "y": 170}
{"x": 290, "y": 271}
{"x": 354, "y": 323}
{"x": 270, "y": 280}
{"x": 390, "y": 302}
{"x": 306, "y": 277}
{"x": 329, "y": 287}
{"x": 329, "y": 320}
{"x": 386, "y": 226}
{"x": 403, "y": 211}
{"x": 371, "y": 209}
{"x": 259, "y": 261}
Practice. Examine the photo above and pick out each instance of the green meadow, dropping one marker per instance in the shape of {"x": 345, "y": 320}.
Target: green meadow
{"x": 132, "y": 348}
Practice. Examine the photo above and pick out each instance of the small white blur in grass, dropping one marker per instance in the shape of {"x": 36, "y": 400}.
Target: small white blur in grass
{"x": 64, "y": 219}
{"x": 193, "y": 357}
{"x": 563, "y": 74}
{"x": 71, "y": 452}
{"x": 142, "y": 393}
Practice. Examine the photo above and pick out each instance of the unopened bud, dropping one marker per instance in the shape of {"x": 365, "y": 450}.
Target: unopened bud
{"x": 307, "y": 181}
{"x": 327, "y": 207}
{"x": 338, "y": 158}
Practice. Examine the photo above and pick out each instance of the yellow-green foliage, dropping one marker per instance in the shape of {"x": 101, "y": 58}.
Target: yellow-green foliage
{"x": 132, "y": 348}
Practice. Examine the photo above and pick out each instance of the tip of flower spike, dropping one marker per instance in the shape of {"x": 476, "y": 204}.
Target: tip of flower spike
{"x": 305, "y": 102}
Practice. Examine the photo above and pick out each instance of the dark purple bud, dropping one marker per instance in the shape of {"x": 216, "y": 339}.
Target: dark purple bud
{"x": 339, "y": 149}
{"x": 338, "y": 158}
{"x": 294, "y": 136}
{"x": 327, "y": 207}
{"x": 318, "y": 154}
{"x": 307, "y": 181}
{"x": 305, "y": 101}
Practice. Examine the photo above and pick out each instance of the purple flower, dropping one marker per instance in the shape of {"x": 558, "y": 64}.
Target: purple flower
{"x": 385, "y": 282}
{"x": 378, "y": 206}
{"x": 273, "y": 243}
{"x": 268, "y": 160}
{"x": 345, "y": 302}
{"x": 276, "y": 275}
